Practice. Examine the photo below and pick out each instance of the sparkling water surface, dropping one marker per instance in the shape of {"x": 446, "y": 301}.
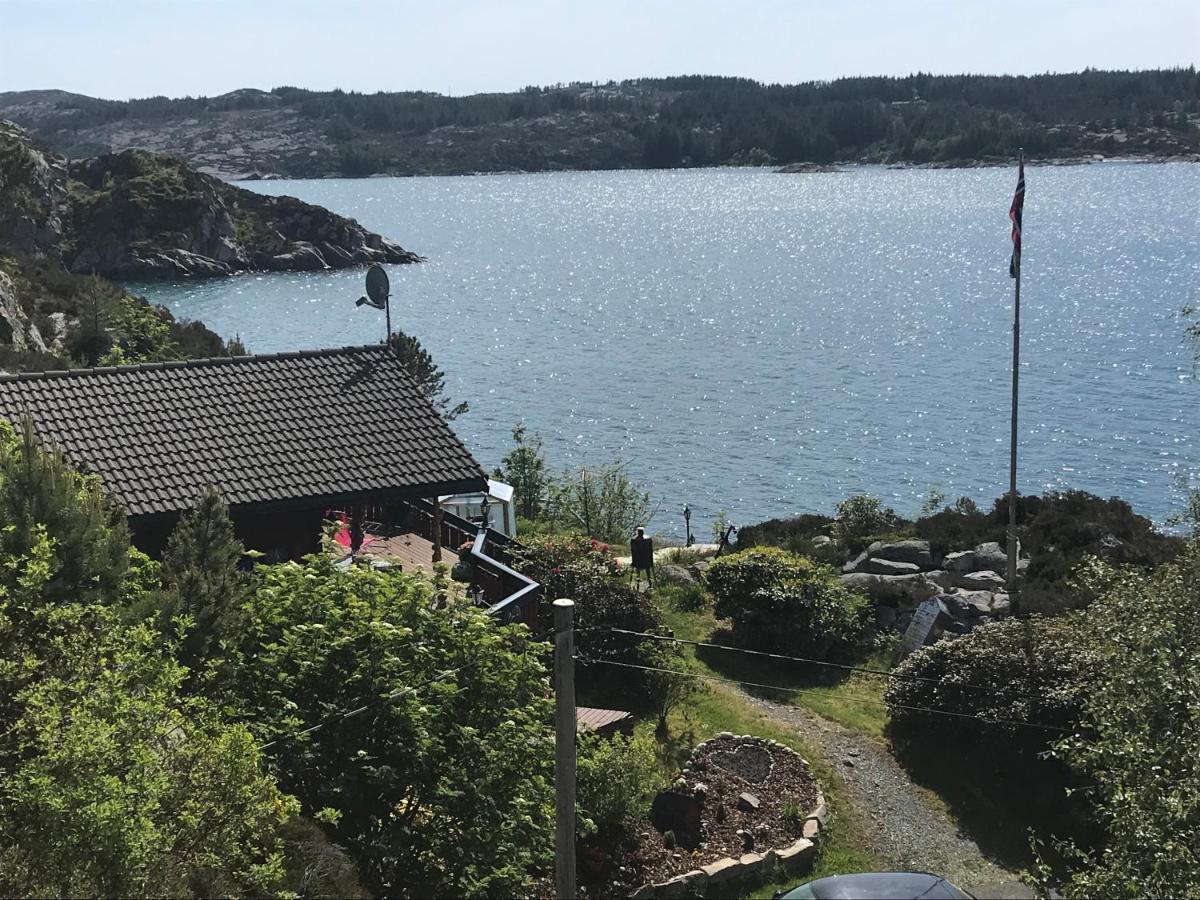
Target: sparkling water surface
{"x": 769, "y": 344}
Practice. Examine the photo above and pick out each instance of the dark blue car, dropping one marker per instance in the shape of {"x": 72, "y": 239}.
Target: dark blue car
{"x": 876, "y": 886}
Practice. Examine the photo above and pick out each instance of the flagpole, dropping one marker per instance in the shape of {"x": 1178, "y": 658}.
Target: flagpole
{"x": 1013, "y": 593}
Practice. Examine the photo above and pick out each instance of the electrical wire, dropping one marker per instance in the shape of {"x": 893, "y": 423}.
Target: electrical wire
{"x": 775, "y": 687}
{"x": 879, "y": 673}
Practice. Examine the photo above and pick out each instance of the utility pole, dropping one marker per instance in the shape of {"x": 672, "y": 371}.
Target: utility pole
{"x": 1016, "y": 213}
{"x": 564, "y": 748}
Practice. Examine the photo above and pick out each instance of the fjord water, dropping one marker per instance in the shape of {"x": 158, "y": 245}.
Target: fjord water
{"x": 768, "y": 344}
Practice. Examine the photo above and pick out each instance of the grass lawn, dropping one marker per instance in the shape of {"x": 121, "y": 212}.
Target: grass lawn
{"x": 851, "y": 699}
{"x": 846, "y": 845}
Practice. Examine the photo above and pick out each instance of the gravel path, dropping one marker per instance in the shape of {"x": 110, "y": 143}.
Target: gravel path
{"x": 910, "y": 832}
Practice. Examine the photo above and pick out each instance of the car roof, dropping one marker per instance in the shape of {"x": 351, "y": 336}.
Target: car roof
{"x": 880, "y": 885}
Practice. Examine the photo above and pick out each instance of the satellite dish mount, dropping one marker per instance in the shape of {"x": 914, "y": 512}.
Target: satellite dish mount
{"x": 378, "y": 292}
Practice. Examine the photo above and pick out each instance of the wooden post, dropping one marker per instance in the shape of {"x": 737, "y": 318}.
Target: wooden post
{"x": 437, "y": 530}
{"x": 564, "y": 748}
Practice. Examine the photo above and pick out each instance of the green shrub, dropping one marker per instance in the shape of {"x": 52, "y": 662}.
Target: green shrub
{"x": 1057, "y": 530}
{"x": 858, "y": 517}
{"x": 778, "y": 601}
{"x": 585, "y": 571}
{"x": 617, "y": 779}
{"x": 1137, "y": 748}
{"x": 995, "y": 774}
{"x": 444, "y": 786}
{"x": 780, "y": 532}
{"x": 683, "y": 597}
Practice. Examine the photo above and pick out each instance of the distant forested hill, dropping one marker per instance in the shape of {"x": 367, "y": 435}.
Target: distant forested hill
{"x": 658, "y": 122}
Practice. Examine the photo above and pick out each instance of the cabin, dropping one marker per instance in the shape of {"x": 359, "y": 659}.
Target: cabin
{"x": 290, "y": 440}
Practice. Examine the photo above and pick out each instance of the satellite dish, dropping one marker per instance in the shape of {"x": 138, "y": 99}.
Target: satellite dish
{"x": 378, "y": 291}
{"x": 377, "y": 286}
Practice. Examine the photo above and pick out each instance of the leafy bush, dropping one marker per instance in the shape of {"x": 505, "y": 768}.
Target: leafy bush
{"x": 444, "y": 786}
{"x": 782, "y": 532}
{"x": 585, "y": 571}
{"x": 778, "y": 601}
{"x": 857, "y": 518}
{"x": 115, "y": 783}
{"x": 617, "y": 779}
{"x": 1137, "y": 747}
{"x": 602, "y": 501}
{"x": 1019, "y": 671}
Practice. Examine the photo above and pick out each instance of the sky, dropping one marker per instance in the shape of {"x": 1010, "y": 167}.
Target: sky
{"x": 137, "y": 48}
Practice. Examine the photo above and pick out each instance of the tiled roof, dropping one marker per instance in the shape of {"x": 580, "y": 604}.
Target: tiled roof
{"x": 309, "y": 425}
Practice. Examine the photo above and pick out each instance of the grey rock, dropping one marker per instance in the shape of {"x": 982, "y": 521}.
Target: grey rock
{"x": 962, "y": 561}
{"x": 854, "y": 564}
{"x": 747, "y": 802}
{"x": 904, "y": 590}
{"x": 914, "y": 552}
{"x": 982, "y": 581}
{"x": 880, "y": 566}
{"x": 670, "y": 573}
{"x": 305, "y": 258}
{"x": 885, "y": 617}
{"x": 822, "y": 540}
{"x": 943, "y": 579}
{"x": 979, "y": 603}
{"x": 993, "y": 556}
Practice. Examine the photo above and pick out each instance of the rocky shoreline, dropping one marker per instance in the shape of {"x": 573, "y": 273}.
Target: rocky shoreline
{"x": 142, "y": 215}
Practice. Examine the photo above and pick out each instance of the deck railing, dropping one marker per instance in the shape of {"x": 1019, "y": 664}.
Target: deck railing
{"x": 511, "y": 596}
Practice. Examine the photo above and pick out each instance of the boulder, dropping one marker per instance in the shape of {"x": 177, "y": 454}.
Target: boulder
{"x": 973, "y": 603}
{"x": 305, "y": 258}
{"x": 902, "y": 590}
{"x": 677, "y": 811}
{"x": 962, "y": 561}
{"x": 993, "y": 556}
{"x": 878, "y": 566}
{"x": 670, "y": 573}
{"x": 943, "y": 579}
{"x": 822, "y": 540}
{"x": 885, "y": 617}
{"x": 854, "y": 564}
{"x": 914, "y": 552}
{"x": 981, "y": 581}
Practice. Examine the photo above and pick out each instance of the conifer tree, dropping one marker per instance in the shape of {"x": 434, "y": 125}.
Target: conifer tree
{"x": 202, "y": 578}
{"x": 425, "y": 372}
{"x": 86, "y": 529}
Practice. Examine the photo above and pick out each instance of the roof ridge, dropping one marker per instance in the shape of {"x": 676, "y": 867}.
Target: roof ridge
{"x": 200, "y": 362}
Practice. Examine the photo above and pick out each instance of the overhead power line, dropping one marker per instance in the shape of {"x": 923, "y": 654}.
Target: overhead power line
{"x": 776, "y": 687}
{"x": 862, "y": 670}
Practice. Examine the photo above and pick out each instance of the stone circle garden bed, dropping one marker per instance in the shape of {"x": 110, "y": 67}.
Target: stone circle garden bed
{"x": 742, "y": 808}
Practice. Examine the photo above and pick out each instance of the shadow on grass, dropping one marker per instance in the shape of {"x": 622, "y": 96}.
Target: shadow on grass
{"x": 854, "y": 700}
{"x": 998, "y": 801}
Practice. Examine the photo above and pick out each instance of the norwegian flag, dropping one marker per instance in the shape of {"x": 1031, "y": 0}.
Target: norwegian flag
{"x": 1014, "y": 213}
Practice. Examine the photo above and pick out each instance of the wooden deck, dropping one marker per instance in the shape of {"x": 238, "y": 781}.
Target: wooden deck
{"x": 411, "y": 552}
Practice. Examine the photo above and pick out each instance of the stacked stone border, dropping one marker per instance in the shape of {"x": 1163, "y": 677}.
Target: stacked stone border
{"x": 793, "y": 859}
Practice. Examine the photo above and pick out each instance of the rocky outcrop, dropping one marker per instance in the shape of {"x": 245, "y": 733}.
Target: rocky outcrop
{"x": 34, "y": 206}
{"x": 144, "y": 215}
{"x": 16, "y": 329}
{"x": 969, "y": 584}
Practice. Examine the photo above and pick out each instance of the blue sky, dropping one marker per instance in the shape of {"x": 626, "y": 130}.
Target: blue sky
{"x": 135, "y": 48}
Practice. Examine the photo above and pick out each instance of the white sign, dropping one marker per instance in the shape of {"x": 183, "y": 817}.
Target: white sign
{"x": 918, "y": 629}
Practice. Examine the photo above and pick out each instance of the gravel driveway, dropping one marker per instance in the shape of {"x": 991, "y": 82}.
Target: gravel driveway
{"x": 911, "y": 832}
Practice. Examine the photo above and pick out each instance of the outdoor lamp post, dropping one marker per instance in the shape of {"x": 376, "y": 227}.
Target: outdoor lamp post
{"x": 483, "y": 511}
{"x": 687, "y": 525}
